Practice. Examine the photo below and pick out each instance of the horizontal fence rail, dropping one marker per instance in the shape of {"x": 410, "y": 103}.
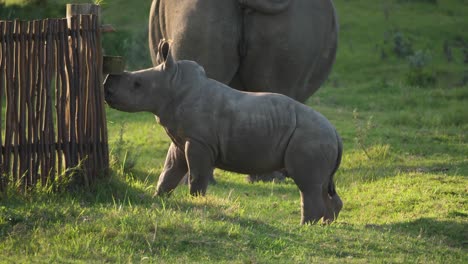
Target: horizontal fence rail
{"x": 53, "y": 120}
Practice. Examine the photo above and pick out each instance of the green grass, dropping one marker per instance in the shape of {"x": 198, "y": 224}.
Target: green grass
{"x": 403, "y": 178}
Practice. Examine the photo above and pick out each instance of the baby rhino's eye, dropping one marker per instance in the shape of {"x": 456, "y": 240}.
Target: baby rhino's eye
{"x": 137, "y": 84}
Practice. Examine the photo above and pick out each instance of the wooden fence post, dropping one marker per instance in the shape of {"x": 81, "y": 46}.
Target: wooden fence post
{"x": 51, "y": 81}
{"x": 100, "y": 157}
{"x": 83, "y": 9}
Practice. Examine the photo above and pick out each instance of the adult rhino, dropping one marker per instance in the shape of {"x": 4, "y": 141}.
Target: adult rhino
{"x": 281, "y": 46}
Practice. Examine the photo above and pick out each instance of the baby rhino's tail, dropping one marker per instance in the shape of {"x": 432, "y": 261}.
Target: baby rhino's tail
{"x": 336, "y": 203}
{"x": 331, "y": 184}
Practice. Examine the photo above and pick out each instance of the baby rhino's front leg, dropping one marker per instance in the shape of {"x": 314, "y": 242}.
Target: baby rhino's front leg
{"x": 200, "y": 164}
{"x": 175, "y": 168}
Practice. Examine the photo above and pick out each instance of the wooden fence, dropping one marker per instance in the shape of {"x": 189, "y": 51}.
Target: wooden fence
{"x": 53, "y": 120}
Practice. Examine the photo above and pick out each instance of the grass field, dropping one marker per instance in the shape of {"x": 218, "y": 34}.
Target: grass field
{"x": 403, "y": 179}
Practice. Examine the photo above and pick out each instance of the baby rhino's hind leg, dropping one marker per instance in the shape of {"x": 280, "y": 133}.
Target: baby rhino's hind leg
{"x": 307, "y": 174}
{"x": 333, "y": 206}
{"x": 307, "y": 165}
{"x": 312, "y": 205}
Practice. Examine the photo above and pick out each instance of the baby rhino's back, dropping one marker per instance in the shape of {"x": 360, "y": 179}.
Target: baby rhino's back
{"x": 254, "y": 130}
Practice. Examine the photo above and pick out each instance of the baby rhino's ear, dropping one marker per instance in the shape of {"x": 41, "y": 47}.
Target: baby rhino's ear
{"x": 164, "y": 54}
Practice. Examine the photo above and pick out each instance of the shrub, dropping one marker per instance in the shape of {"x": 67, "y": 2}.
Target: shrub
{"x": 421, "y": 78}
{"x": 419, "y": 74}
{"x": 402, "y": 46}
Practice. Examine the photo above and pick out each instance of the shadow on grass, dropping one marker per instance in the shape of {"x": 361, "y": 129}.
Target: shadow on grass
{"x": 445, "y": 168}
{"x": 376, "y": 171}
{"x": 242, "y": 236}
{"x": 450, "y": 232}
{"x": 257, "y": 188}
{"x": 21, "y": 212}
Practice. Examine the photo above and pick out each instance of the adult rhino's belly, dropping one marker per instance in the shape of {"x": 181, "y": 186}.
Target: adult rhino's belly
{"x": 303, "y": 41}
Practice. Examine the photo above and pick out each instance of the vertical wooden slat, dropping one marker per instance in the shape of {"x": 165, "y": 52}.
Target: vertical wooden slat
{"x": 22, "y": 127}
{"x": 40, "y": 106}
{"x": 63, "y": 89}
{"x": 78, "y": 89}
{"x": 45, "y": 101}
{"x": 86, "y": 93}
{"x": 71, "y": 108}
{"x": 34, "y": 28}
{"x": 42, "y": 102}
{"x": 103, "y": 120}
{"x": 95, "y": 88}
{"x": 15, "y": 107}
{"x": 98, "y": 96}
{"x": 13, "y": 104}
{"x": 58, "y": 106}
{"x": 56, "y": 148}
{"x": 91, "y": 96}
{"x": 85, "y": 103}
{"x": 3, "y": 180}
{"x": 75, "y": 81}
{"x": 94, "y": 29}
{"x": 51, "y": 58}
{"x": 61, "y": 102}
{"x": 8, "y": 94}
{"x": 29, "y": 111}
{"x": 82, "y": 105}
{"x": 27, "y": 102}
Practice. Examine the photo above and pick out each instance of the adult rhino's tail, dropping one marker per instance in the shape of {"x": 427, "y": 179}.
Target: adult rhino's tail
{"x": 331, "y": 184}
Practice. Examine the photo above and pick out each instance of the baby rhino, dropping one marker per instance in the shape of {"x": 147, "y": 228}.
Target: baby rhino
{"x": 212, "y": 125}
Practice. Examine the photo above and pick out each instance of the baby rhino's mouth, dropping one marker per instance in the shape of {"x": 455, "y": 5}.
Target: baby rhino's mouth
{"x": 115, "y": 102}
{"x": 111, "y": 102}
{"x": 108, "y": 97}
{"x": 109, "y": 83}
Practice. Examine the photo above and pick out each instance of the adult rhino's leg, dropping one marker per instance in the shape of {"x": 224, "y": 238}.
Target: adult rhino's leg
{"x": 205, "y": 31}
{"x": 292, "y": 52}
{"x": 154, "y": 32}
{"x": 175, "y": 168}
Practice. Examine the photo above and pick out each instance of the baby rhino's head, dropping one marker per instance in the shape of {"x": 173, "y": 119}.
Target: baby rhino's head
{"x": 142, "y": 90}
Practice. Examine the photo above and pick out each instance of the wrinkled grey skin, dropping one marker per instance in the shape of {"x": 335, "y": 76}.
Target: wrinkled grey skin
{"x": 212, "y": 125}
{"x": 281, "y": 46}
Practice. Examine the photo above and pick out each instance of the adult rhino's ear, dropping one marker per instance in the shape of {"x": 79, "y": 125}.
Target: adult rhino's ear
{"x": 164, "y": 54}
